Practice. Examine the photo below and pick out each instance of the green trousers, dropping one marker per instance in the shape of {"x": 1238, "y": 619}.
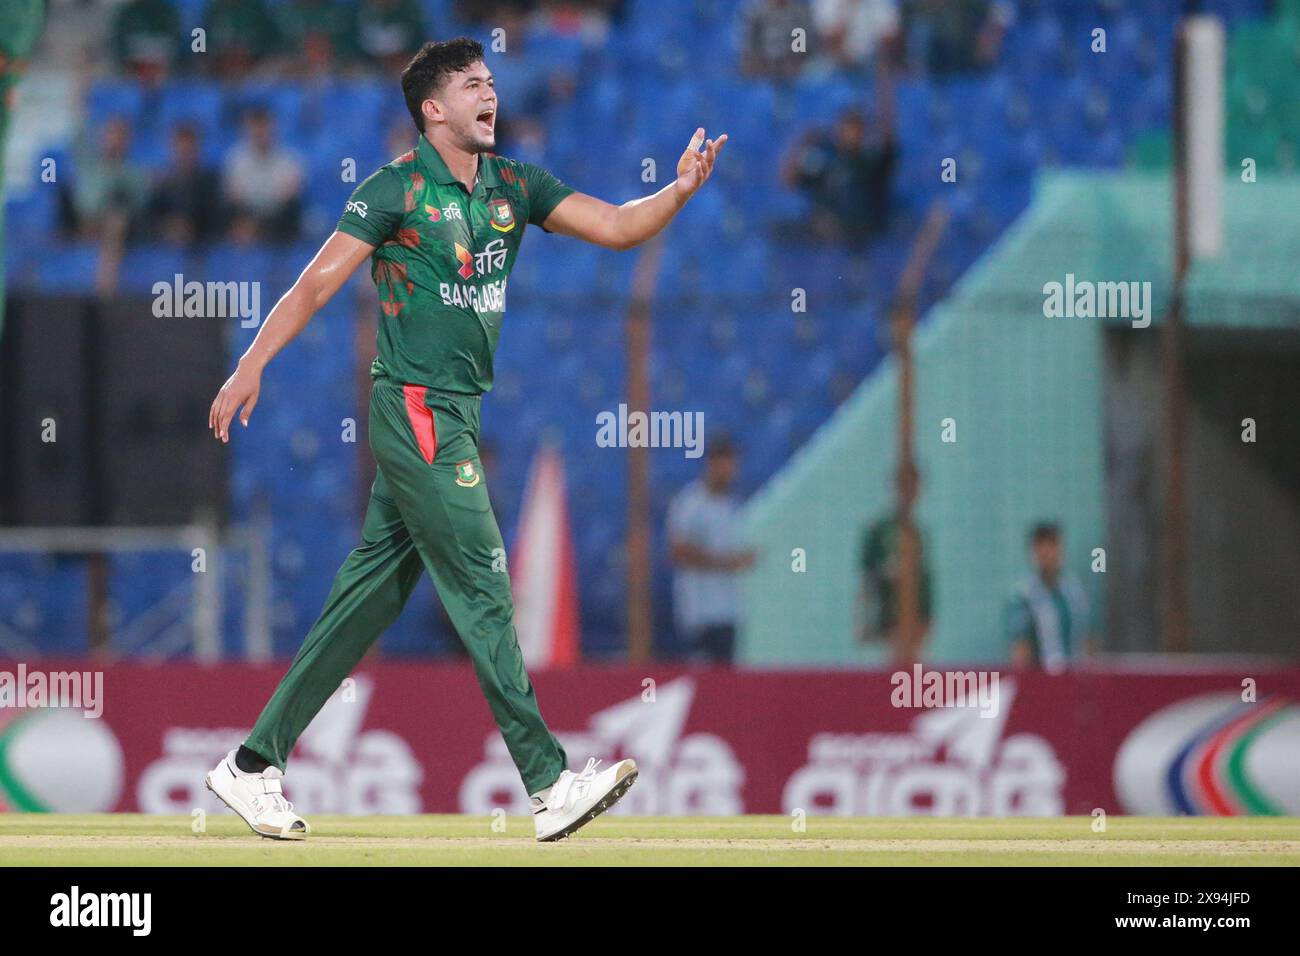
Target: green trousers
{"x": 428, "y": 509}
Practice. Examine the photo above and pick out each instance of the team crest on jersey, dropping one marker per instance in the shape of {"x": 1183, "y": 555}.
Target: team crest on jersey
{"x": 467, "y": 475}
{"x": 503, "y": 216}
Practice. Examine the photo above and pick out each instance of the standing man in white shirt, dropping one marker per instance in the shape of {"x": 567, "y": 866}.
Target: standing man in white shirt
{"x": 705, "y": 549}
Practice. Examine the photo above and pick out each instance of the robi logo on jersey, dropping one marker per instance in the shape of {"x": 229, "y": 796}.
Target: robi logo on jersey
{"x": 466, "y": 260}
{"x": 492, "y": 258}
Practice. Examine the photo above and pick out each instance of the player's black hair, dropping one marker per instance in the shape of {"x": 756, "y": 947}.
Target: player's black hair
{"x": 1044, "y": 531}
{"x": 429, "y": 69}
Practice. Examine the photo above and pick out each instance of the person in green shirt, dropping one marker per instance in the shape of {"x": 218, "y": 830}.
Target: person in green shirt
{"x": 388, "y": 31}
{"x": 880, "y": 566}
{"x": 322, "y": 34}
{"x": 1047, "y": 615}
{"x": 441, "y": 226}
{"x": 146, "y": 38}
{"x": 241, "y": 35}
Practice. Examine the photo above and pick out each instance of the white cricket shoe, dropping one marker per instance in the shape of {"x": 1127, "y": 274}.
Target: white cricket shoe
{"x": 578, "y": 798}
{"x": 258, "y": 799}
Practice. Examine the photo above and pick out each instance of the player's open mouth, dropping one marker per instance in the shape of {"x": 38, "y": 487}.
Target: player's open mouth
{"x": 486, "y": 119}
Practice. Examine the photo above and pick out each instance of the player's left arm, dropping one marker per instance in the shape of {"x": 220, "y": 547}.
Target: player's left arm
{"x": 632, "y": 223}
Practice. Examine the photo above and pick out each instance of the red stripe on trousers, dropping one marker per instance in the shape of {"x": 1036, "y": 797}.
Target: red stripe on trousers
{"x": 421, "y": 418}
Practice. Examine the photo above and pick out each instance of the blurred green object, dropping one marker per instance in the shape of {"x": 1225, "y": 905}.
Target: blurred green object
{"x": 1263, "y": 99}
{"x": 880, "y": 567}
{"x": 20, "y": 27}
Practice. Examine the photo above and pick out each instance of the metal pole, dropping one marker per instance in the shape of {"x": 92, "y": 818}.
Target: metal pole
{"x": 207, "y": 606}
{"x": 1174, "y": 618}
{"x": 257, "y": 592}
{"x": 640, "y": 613}
{"x": 100, "y": 635}
{"x": 909, "y": 633}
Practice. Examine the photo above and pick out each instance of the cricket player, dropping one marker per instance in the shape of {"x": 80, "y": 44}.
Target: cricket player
{"x": 441, "y": 226}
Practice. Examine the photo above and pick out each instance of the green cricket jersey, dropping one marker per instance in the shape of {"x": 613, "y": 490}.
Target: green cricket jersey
{"x": 441, "y": 261}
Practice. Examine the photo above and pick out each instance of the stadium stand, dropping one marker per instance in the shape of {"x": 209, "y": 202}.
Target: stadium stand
{"x": 727, "y": 272}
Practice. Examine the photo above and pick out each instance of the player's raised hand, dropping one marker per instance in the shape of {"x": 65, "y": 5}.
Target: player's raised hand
{"x": 241, "y": 389}
{"x": 696, "y": 166}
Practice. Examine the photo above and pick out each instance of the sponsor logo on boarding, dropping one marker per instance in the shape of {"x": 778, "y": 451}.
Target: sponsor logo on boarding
{"x": 951, "y": 761}
{"x": 1213, "y": 755}
{"x": 682, "y": 772}
{"x": 337, "y": 767}
{"x": 53, "y": 760}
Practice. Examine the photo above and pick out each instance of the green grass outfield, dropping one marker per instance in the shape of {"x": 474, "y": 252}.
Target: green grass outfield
{"x": 137, "y": 840}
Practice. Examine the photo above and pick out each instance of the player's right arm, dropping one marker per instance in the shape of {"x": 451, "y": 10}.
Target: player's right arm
{"x": 324, "y": 276}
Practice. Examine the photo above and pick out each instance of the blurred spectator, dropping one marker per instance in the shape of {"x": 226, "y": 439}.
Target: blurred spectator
{"x": 389, "y": 32}
{"x": 531, "y": 86}
{"x": 1047, "y": 617}
{"x": 881, "y": 576}
{"x": 587, "y": 21}
{"x": 767, "y": 41}
{"x": 146, "y": 37}
{"x": 490, "y": 12}
{"x": 847, "y": 179}
{"x": 181, "y": 207}
{"x": 321, "y": 31}
{"x": 704, "y": 547}
{"x": 531, "y": 81}
{"x": 262, "y": 184}
{"x": 483, "y": 12}
{"x": 853, "y": 32}
{"x": 108, "y": 190}
{"x": 955, "y": 36}
{"x": 241, "y": 35}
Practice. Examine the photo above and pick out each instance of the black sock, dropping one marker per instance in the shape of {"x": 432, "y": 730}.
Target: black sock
{"x": 250, "y": 761}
